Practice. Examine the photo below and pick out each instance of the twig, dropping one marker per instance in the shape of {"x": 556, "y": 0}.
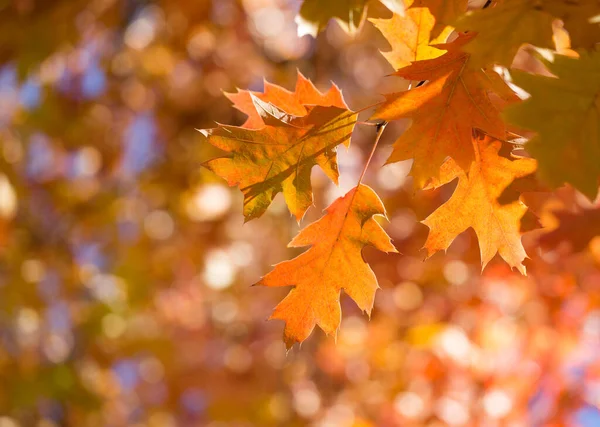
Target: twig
{"x": 380, "y": 128}
{"x": 369, "y": 106}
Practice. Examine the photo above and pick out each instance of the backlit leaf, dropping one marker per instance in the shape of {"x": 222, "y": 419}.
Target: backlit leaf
{"x": 279, "y": 156}
{"x": 565, "y": 113}
{"x": 580, "y": 18}
{"x": 333, "y": 263}
{"x": 503, "y": 28}
{"x": 577, "y": 229}
{"x": 350, "y": 14}
{"x": 444, "y": 111}
{"x": 474, "y": 205}
{"x": 445, "y": 12}
{"x": 410, "y": 36}
{"x": 293, "y": 103}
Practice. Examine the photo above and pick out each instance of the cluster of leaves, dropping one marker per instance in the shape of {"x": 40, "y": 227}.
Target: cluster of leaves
{"x": 124, "y": 266}
{"x": 466, "y": 124}
{"x": 74, "y": 90}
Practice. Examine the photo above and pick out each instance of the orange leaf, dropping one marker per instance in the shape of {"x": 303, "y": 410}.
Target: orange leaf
{"x": 279, "y": 156}
{"x": 334, "y": 262}
{"x": 444, "y": 111}
{"x": 291, "y": 102}
{"x": 474, "y": 204}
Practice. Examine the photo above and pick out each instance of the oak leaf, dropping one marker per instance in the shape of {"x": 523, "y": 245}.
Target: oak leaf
{"x": 445, "y": 12}
{"x": 279, "y": 156}
{"x": 474, "y": 204}
{"x": 564, "y": 111}
{"x": 410, "y": 36}
{"x": 524, "y": 184}
{"x": 350, "y": 14}
{"x": 580, "y": 18}
{"x": 333, "y": 263}
{"x": 503, "y": 28}
{"x": 293, "y": 103}
{"x": 577, "y": 229}
{"x": 444, "y": 111}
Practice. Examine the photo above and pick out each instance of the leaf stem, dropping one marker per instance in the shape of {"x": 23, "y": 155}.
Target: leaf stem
{"x": 380, "y": 128}
{"x": 476, "y": 148}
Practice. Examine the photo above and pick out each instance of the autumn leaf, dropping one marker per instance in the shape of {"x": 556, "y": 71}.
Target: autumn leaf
{"x": 350, "y": 14}
{"x": 533, "y": 193}
{"x": 444, "y": 111}
{"x": 577, "y": 229}
{"x": 524, "y": 184}
{"x": 293, "y": 103}
{"x": 580, "y": 18}
{"x": 396, "y": 6}
{"x": 410, "y": 36}
{"x": 315, "y": 14}
{"x": 445, "y": 12}
{"x": 474, "y": 204}
{"x": 562, "y": 41}
{"x": 279, "y": 156}
{"x": 565, "y": 113}
{"x": 333, "y": 263}
{"x": 503, "y": 28}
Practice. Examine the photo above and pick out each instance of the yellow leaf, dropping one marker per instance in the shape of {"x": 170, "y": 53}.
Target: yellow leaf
{"x": 445, "y": 12}
{"x": 410, "y": 36}
{"x": 474, "y": 204}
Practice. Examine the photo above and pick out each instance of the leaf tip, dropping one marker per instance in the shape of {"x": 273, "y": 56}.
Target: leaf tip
{"x": 521, "y": 268}
{"x": 290, "y": 341}
{"x": 204, "y": 132}
{"x": 299, "y": 216}
{"x": 305, "y": 27}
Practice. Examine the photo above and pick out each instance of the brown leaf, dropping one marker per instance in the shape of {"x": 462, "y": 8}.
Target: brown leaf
{"x": 577, "y": 229}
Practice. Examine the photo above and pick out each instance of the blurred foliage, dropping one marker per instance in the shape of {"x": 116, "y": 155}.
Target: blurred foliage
{"x": 125, "y": 267}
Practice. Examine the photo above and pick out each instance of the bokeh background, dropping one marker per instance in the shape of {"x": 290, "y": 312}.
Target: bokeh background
{"x": 125, "y": 267}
